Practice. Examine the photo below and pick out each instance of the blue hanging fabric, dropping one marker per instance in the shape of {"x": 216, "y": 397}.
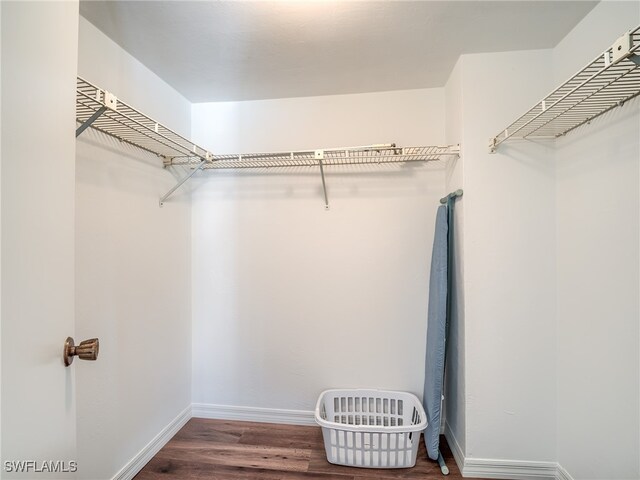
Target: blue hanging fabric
{"x": 436, "y": 332}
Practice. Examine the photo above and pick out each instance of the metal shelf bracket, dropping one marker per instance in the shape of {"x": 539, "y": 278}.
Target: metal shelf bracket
{"x": 182, "y": 181}
{"x": 109, "y": 101}
{"x": 90, "y": 120}
{"x": 319, "y": 155}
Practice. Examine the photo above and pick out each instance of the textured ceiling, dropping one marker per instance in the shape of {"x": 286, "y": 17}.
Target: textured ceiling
{"x": 223, "y": 51}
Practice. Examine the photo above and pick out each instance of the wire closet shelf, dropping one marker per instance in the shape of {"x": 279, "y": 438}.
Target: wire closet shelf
{"x": 104, "y": 112}
{"x": 609, "y": 81}
{"x": 370, "y": 154}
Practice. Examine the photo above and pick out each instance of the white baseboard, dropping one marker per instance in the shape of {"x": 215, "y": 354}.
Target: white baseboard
{"x": 456, "y": 450}
{"x": 253, "y": 414}
{"x": 509, "y": 469}
{"x": 143, "y": 456}
{"x": 563, "y": 474}
{"x": 498, "y": 468}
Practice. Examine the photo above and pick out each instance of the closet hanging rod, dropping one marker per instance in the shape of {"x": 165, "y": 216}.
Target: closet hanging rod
{"x": 609, "y": 81}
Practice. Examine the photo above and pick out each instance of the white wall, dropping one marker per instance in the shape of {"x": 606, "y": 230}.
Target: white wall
{"x": 509, "y": 264}
{"x": 597, "y": 214}
{"x": 38, "y": 153}
{"x": 501, "y": 370}
{"x": 455, "y": 393}
{"x": 133, "y": 272}
{"x": 0, "y": 231}
{"x": 551, "y": 356}
{"x": 290, "y": 299}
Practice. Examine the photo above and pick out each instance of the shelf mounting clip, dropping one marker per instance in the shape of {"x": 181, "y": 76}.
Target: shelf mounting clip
{"x": 622, "y": 50}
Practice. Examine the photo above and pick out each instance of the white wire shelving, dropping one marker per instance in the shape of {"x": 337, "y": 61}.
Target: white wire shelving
{"x": 370, "y": 154}
{"x": 609, "y": 81}
{"x": 104, "y": 112}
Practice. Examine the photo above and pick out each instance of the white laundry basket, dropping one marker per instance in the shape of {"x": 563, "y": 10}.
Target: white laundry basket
{"x": 371, "y": 428}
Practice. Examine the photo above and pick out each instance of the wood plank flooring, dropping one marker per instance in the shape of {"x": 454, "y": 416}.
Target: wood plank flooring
{"x": 222, "y": 449}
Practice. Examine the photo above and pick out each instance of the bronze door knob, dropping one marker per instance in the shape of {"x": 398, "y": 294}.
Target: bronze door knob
{"x": 87, "y": 350}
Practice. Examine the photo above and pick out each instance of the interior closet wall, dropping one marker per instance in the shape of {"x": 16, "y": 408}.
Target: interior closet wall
{"x": 509, "y": 265}
{"x": 0, "y": 226}
{"x": 290, "y": 299}
{"x": 550, "y": 269}
{"x": 132, "y": 272}
{"x": 455, "y": 392}
{"x": 598, "y": 215}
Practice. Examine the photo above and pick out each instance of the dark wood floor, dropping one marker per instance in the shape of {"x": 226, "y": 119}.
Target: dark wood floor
{"x": 221, "y": 450}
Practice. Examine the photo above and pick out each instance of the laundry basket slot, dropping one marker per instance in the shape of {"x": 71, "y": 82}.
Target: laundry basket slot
{"x": 370, "y": 428}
